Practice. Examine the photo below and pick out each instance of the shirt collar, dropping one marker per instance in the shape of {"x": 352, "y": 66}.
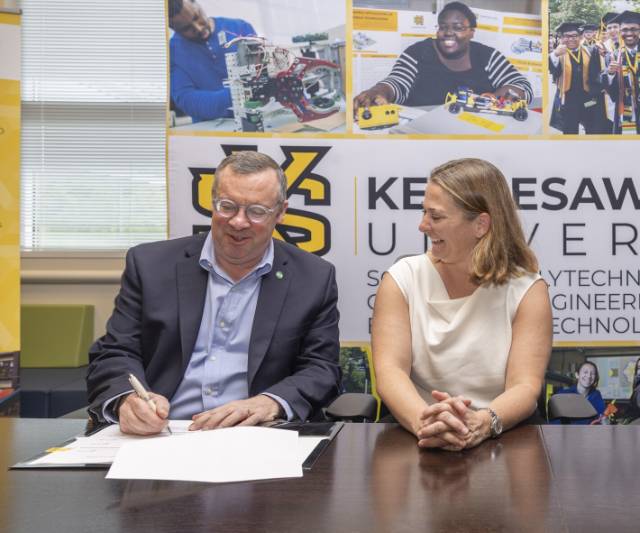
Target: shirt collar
{"x": 208, "y": 261}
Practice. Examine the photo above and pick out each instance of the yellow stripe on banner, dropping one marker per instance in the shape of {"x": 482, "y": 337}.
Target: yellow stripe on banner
{"x": 375, "y": 20}
{"x": 524, "y": 63}
{"x": 521, "y": 31}
{"x": 594, "y": 344}
{"x": 369, "y": 54}
{"x": 421, "y": 35}
{"x": 10, "y": 216}
{"x": 483, "y": 122}
{"x": 487, "y": 27}
{"x": 517, "y": 21}
{"x": 10, "y": 18}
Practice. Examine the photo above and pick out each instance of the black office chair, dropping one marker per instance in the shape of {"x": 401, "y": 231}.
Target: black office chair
{"x": 567, "y": 407}
{"x": 353, "y": 407}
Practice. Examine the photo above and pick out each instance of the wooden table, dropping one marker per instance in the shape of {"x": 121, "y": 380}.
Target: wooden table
{"x": 372, "y": 478}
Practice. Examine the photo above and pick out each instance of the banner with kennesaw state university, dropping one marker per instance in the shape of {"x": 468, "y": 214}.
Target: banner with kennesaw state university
{"x": 358, "y": 203}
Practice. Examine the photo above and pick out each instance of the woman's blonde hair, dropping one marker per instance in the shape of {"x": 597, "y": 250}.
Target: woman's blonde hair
{"x": 477, "y": 186}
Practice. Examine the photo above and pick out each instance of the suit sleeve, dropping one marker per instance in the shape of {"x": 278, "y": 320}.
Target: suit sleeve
{"x": 118, "y": 352}
{"x": 315, "y": 377}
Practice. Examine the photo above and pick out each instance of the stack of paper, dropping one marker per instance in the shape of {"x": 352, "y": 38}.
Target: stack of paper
{"x": 221, "y": 455}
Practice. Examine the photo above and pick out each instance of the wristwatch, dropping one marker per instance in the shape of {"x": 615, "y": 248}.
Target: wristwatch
{"x": 495, "y": 427}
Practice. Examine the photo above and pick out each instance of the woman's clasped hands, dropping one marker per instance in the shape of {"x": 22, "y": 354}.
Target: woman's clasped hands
{"x": 451, "y": 424}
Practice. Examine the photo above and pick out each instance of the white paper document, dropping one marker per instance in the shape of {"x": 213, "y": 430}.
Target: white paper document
{"x": 222, "y": 455}
{"x": 100, "y": 448}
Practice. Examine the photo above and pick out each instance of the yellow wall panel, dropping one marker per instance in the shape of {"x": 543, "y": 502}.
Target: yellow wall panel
{"x": 9, "y": 202}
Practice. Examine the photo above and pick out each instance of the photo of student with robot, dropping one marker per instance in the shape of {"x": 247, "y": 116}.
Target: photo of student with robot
{"x": 472, "y": 61}
{"x": 250, "y": 66}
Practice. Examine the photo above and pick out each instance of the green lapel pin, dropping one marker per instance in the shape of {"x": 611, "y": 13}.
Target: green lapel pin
{"x": 279, "y": 274}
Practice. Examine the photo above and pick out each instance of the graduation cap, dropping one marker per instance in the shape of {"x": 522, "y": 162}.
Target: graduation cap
{"x": 566, "y": 27}
{"x": 608, "y": 17}
{"x": 589, "y": 27}
{"x": 628, "y": 17}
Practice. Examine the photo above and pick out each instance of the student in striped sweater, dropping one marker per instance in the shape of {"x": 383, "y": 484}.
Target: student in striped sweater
{"x": 427, "y": 70}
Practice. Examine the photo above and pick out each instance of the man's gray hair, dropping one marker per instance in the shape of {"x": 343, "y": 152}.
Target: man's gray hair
{"x": 248, "y": 162}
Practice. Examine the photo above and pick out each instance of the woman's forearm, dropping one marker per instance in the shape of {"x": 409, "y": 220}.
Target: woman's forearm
{"x": 399, "y": 394}
{"x": 516, "y": 404}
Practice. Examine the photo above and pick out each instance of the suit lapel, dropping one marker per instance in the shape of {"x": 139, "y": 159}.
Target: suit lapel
{"x": 273, "y": 292}
{"x": 192, "y": 290}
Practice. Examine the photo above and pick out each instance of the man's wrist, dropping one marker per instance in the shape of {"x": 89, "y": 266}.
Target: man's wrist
{"x": 116, "y": 405}
{"x": 278, "y": 410}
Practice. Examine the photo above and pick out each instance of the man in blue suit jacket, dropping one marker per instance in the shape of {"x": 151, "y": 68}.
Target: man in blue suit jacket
{"x": 233, "y": 327}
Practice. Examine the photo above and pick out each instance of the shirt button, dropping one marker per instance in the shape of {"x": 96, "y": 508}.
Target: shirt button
{"x": 212, "y": 358}
{"x": 222, "y": 324}
{"x": 208, "y": 391}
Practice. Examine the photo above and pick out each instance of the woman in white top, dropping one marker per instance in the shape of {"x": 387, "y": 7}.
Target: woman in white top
{"x": 462, "y": 334}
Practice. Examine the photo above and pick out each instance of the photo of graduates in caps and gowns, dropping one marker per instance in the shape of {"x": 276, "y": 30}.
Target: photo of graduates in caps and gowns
{"x": 593, "y": 68}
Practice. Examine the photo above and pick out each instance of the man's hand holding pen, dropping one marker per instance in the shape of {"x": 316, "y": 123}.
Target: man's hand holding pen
{"x": 136, "y": 416}
{"x": 142, "y": 412}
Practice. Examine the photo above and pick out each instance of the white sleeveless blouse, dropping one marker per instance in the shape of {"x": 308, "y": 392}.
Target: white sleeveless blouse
{"x": 459, "y": 346}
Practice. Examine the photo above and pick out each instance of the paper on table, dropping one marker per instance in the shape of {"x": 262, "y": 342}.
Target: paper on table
{"x": 306, "y": 445}
{"x": 100, "y": 448}
{"x": 222, "y": 455}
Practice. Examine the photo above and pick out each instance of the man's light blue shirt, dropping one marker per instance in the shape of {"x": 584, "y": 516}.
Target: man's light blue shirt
{"x": 217, "y": 370}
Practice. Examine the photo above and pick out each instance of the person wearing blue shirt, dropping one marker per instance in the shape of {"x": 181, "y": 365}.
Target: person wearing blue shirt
{"x": 197, "y": 59}
{"x": 587, "y": 382}
{"x": 231, "y": 327}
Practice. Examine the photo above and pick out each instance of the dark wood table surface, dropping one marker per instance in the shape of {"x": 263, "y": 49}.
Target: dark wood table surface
{"x": 372, "y": 478}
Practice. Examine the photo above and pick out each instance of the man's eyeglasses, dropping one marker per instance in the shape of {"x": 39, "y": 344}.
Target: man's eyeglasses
{"x": 455, "y": 28}
{"x": 256, "y": 213}
{"x": 629, "y": 30}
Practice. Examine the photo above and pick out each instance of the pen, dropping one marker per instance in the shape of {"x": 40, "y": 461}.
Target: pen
{"x": 144, "y": 395}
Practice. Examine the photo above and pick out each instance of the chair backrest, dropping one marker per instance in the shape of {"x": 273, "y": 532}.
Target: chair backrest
{"x": 354, "y": 407}
{"x": 55, "y": 335}
{"x": 570, "y": 406}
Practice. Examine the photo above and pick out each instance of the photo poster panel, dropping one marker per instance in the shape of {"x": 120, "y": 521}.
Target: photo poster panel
{"x": 259, "y": 66}
{"x": 356, "y": 197}
{"x": 10, "y": 74}
{"x": 381, "y": 35}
